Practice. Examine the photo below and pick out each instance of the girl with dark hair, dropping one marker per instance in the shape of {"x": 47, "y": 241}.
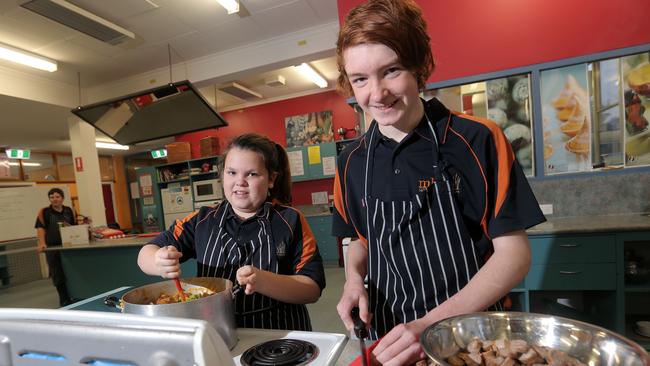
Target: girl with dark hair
{"x": 253, "y": 238}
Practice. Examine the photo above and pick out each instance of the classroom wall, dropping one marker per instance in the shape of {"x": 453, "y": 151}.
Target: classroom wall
{"x": 268, "y": 119}
{"x": 474, "y": 37}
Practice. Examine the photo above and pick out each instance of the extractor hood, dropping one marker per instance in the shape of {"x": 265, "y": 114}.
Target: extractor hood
{"x": 169, "y": 110}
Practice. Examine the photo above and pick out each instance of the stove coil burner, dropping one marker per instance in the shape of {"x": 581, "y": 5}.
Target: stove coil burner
{"x": 280, "y": 352}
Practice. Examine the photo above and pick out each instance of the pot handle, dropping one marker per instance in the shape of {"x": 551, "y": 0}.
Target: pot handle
{"x": 112, "y": 302}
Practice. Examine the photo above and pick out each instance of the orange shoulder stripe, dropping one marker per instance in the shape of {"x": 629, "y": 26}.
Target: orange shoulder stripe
{"x": 178, "y": 224}
{"x": 308, "y": 243}
{"x": 505, "y": 159}
{"x": 338, "y": 197}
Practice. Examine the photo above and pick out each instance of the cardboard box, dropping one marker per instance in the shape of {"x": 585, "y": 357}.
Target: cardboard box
{"x": 178, "y": 151}
{"x": 209, "y": 146}
{"x": 74, "y": 235}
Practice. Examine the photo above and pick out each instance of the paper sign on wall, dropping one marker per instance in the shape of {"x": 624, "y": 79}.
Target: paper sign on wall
{"x": 135, "y": 190}
{"x": 295, "y": 163}
{"x": 329, "y": 165}
{"x": 314, "y": 154}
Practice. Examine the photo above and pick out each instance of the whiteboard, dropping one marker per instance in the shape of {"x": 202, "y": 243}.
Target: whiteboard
{"x": 19, "y": 207}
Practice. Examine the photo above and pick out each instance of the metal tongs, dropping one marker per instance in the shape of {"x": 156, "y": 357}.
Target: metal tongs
{"x": 362, "y": 333}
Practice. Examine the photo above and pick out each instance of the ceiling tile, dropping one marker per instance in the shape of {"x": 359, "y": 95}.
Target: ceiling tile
{"x": 286, "y": 19}
{"x": 325, "y": 9}
{"x": 22, "y": 28}
{"x": 115, "y": 10}
{"x": 218, "y": 38}
{"x": 157, "y": 26}
{"x": 202, "y": 14}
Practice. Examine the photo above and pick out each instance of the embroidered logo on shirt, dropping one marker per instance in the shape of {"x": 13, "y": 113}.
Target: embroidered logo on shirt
{"x": 281, "y": 250}
{"x": 424, "y": 184}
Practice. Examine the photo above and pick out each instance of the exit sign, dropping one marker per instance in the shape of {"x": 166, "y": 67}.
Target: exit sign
{"x": 157, "y": 154}
{"x": 17, "y": 154}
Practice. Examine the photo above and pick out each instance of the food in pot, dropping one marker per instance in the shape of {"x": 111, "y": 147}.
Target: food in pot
{"x": 505, "y": 352}
{"x": 165, "y": 298}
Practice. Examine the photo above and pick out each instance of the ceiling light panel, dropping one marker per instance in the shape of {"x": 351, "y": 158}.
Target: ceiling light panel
{"x": 26, "y": 58}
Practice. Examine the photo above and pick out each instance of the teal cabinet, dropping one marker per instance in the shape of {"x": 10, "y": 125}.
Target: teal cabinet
{"x": 321, "y": 226}
{"x": 583, "y": 277}
{"x": 313, "y": 158}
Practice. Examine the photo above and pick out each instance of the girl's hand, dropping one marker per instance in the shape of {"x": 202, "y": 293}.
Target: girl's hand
{"x": 250, "y": 278}
{"x": 401, "y": 346}
{"x": 167, "y": 262}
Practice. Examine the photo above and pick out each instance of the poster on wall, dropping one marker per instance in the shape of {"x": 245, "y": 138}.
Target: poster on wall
{"x": 309, "y": 129}
{"x": 566, "y": 120}
{"x": 508, "y": 102}
{"x": 635, "y": 72}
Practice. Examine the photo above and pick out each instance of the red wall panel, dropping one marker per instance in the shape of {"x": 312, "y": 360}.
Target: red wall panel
{"x": 268, "y": 120}
{"x": 473, "y": 37}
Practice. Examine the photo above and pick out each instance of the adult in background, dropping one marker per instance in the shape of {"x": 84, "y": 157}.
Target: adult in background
{"x": 50, "y": 219}
{"x": 434, "y": 200}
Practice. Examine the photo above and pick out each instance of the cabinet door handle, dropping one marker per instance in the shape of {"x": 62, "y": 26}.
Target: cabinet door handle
{"x": 570, "y": 272}
{"x": 569, "y": 245}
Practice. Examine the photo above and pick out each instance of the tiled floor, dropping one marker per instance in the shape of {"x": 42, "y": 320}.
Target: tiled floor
{"x": 41, "y": 294}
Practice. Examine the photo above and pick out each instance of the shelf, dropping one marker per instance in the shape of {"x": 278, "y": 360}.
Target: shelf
{"x": 637, "y": 288}
{"x": 634, "y": 336}
{"x": 175, "y": 180}
{"x": 204, "y": 173}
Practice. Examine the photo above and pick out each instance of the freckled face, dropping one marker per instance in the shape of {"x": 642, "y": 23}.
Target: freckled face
{"x": 246, "y": 181}
{"x": 383, "y": 87}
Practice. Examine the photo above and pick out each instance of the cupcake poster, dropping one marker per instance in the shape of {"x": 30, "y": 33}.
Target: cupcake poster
{"x": 566, "y": 120}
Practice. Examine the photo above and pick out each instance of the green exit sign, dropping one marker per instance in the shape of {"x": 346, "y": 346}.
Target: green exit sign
{"x": 17, "y": 154}
{"x": 157, "y": 154}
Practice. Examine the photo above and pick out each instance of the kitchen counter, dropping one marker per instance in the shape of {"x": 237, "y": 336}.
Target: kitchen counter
{"x": 314, "y": 210}
{"x": 106, "y": 243}
{"x": 592, "y": 224}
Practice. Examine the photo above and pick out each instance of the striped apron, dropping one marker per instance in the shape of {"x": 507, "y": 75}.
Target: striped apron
{"x": 227, "y": 255}
{"x": 419, "y": 251}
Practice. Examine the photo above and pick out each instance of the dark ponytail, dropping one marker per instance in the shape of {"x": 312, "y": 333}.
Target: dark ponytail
{"x": 275, "y": 161}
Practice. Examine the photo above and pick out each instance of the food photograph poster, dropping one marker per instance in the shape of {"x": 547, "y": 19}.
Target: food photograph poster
{"x": 566, "y": 120}
{"x": 635, "y": 70}
{"x": 508, "y": 101}
{"x": 309, "y": 129}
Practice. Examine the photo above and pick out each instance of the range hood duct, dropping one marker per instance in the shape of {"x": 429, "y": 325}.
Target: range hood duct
{"x": 79, "y": 19}
{"x": 170, "y": 110}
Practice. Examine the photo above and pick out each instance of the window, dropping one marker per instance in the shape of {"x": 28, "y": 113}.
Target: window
{"x": 40, "y": 167}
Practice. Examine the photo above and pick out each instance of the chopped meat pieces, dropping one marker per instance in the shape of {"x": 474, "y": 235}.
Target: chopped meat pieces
{"x": 505, "y": 352}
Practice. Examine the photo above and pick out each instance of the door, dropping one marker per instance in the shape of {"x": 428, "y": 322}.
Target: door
{"x": 108, "y": 203}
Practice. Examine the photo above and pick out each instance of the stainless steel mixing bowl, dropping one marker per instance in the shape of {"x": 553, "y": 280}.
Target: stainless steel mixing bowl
{"x": 590, "y": 344}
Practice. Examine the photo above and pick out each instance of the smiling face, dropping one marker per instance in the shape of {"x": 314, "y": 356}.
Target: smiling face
{"x": 384, "y": 88}
{"x": 246, "y": 181}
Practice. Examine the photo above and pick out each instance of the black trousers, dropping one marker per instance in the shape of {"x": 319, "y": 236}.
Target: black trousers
{"x": 57, "y": 275}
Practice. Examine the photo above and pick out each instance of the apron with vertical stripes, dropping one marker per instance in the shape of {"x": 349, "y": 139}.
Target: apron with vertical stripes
{"x": 227, "y": 255}
{"x": 420, "y": 252}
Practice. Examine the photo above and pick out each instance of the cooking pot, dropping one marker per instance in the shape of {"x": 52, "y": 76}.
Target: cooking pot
{"x": 216, "y": 309}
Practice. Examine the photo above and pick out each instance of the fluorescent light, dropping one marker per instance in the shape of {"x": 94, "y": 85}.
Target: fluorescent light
{"x": 24, "y": 164}
{"x": 232, "y": 6}
{"x": 110, "y": 145}
{"x": 26, "y": 58}
{"x": 312, "y": 75}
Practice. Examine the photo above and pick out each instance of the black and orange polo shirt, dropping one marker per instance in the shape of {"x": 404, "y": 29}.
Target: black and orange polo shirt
{"x": 277, "y": 239}
{"x": 489, "y": 185}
